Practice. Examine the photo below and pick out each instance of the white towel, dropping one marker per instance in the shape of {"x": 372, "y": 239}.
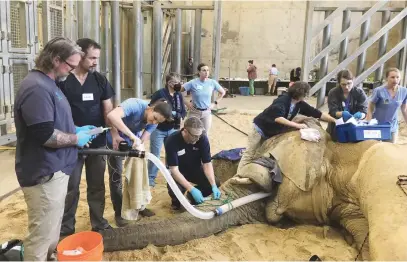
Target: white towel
{"x": 136, "y": 188}
{"x": 310, "y": 134}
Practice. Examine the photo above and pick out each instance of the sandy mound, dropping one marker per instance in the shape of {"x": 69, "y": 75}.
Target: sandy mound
{"x": 249, "y": 242}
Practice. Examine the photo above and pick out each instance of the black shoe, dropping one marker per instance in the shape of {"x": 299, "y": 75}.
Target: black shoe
{"x": 147, "y": 213}
{"x": 100, "y": 230}
{"x": 121, "y": 222}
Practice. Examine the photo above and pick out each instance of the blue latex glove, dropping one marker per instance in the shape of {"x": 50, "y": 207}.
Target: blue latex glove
{"x": 174, "y": 113}
{"x": 197, "y": 195}
{"x": 346, "y": 115}
{"x": 357, "y": 115}
{"x": 83, "y": 128}
{"x": 83, "y": 138}
{"x": 216, "y": 192}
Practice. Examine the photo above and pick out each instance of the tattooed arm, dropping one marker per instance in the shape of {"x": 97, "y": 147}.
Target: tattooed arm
{"x": 60, "y": 139}
{"x": 47, "y": 136}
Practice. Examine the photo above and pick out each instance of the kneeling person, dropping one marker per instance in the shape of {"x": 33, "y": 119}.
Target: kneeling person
{"x": 189, "y": 159}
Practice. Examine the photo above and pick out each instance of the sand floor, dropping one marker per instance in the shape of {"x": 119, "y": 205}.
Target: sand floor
{"x": 249, "y": 242}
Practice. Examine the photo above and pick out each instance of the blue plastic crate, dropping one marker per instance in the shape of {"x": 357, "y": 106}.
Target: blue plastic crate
{"x": 244, "y": 90}
{"x": 351, "y": 133}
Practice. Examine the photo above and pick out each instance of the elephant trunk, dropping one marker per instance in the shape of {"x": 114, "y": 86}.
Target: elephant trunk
{"x": 172, "y": 231}
{"x": 383, "y": 202}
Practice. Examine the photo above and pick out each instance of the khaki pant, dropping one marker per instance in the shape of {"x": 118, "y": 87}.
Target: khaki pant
{"x": 272, "y": 83}
{"x": 45, "y": 208}
{"x": 254, "y": 141}
{"x": 204, "y": 116}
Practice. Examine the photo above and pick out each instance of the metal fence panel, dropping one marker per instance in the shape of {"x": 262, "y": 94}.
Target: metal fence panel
{"x": 18, "y": 27}
{"x": 19, "y": 69}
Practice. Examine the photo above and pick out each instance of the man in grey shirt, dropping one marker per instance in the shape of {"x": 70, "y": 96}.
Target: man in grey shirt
{"x": 46, "y": 151}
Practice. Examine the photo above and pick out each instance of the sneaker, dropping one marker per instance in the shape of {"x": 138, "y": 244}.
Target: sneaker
{"x": 100, "y": 230}
{"x": 147, "y": 213}
{"x": 121, "y": 222}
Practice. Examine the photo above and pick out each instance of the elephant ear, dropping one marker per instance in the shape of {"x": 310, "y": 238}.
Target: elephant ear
{"x": 300, "y": 161}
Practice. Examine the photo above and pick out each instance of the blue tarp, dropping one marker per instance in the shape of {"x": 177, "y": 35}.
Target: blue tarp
{"x": 232, "y": 154}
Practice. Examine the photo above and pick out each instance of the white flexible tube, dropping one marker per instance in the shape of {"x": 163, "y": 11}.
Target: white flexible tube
{"x": 191, "y": 209}
{"x": 195, "y": 212}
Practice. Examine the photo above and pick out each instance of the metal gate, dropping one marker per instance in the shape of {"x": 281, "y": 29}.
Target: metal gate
{"x": 24, "y": 27}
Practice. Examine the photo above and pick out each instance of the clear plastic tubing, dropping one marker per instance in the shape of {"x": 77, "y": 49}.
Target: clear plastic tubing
{"x": 191, "y": 209}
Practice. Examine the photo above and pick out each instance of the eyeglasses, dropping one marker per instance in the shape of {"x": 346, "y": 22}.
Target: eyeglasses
{"x": 70, "y": 65}
{"x": 195, "y": 137}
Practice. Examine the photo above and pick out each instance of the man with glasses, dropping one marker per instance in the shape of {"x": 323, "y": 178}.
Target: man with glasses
{"x": 47, "y": 141}
{"x": 89, "y": 93}
{"x": 188, "y": 157}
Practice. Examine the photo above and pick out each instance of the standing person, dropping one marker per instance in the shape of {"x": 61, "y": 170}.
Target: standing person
{"x": 272, "y": 82}
{"x": 295, "y": 75}
{"x": 201, "y": 89}
{"x": 385, "y": 101}
{"x": 252, "y": 75}
{"x": 89, "y": 93}
{"x": 188, "y": 157}
{"x": 345, "y": 101}
{"x": 46, "y": 151}
{"x": 172, "y": 95}
{"x": 189, "y": 69}
{"x": 129, "y": 120}
{"x": 277, "y": 119}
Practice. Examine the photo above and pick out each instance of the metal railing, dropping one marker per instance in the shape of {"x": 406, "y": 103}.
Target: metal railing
{"x": 342, "y": 41}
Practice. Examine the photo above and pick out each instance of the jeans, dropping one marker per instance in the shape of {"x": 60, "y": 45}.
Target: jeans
{"x": 157, "y": 140}
{"x": 115, "y": 167}
{"x": 95, "y": 172}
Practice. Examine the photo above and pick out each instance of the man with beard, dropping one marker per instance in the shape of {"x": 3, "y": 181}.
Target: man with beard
{"x": 89, "y": 93}
{"x": 46, "y": 151}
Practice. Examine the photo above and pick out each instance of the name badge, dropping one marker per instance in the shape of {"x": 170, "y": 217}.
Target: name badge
{"x": 87, "y": 97}
{"x": 195, "y": 148}
{"x": 181, "y": 152}
{"x": 343, "y": 104}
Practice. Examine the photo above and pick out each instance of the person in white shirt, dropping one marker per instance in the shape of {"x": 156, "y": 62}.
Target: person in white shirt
{"x": 273, "y": 72}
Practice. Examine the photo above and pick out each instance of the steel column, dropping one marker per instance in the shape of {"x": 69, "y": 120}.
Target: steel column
{"x": 364, "y": 35}
{"x": 197, "y": 36}
{"x": 217, "y": 34}
{"x": 323, "y": 69}
{"x": 178, "y": 36}
{"x": 106, "y": 44}
{"x": 84, "y": 19}
{"x": 402, "y": 54}
{"x": 382, "y": 46}
{"x": 45, "y": 21}
{"x": 96, "y": 20}
{"x": 306, "y": 54}
{"x": 343, "y": 50}
{"x": 69, "y": 17}
{"x": 115, "y": 25}
{"x": 137, "y": 51}
{"x": 157, "y": 46}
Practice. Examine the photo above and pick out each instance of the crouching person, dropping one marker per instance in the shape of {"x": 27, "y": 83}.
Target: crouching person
{"x": 277, "y": 119}
{"x": 189, "y": 160}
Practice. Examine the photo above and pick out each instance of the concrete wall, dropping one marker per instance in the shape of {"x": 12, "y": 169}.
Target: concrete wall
{"x": 272, "y": 32}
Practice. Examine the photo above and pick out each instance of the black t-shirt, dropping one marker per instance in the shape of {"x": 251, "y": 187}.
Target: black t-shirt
{"x": 86, "y": 101}
{"x": 281, "y": 108}
{"x": 38, "y": 101}
{"x": 188, "y": 157}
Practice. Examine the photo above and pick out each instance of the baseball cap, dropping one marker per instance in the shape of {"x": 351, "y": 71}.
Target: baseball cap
{"x": 194, "y": 126}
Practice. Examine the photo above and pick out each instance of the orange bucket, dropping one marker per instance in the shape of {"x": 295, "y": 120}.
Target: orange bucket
{"x": 89, "y": 243}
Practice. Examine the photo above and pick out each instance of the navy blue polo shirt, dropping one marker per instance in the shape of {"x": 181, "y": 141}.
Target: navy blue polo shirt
{"x": 37, "y": 101}
{"x": 86, "y": 101}
{"x": 188, "y": 157}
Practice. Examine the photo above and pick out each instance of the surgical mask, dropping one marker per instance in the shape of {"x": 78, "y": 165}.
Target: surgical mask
{"x": 177, "y": 87}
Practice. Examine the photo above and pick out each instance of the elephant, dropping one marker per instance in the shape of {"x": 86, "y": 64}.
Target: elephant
{"x": 348, "y": 185}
